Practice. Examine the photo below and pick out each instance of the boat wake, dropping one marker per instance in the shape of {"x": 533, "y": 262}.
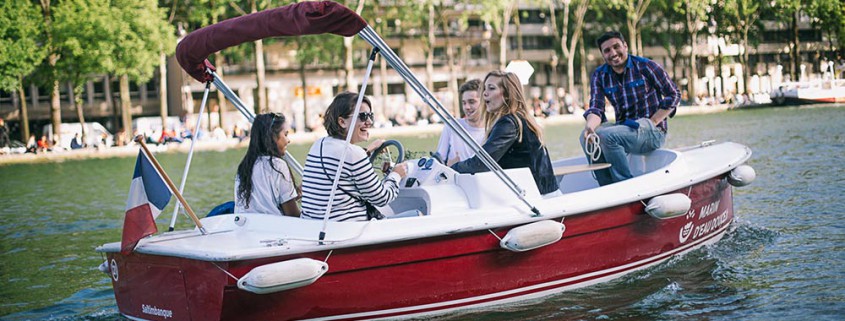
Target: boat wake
{"x": 702, "y": 283}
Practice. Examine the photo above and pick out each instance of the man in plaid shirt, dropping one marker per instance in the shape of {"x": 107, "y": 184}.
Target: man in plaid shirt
{"x": 643, "y": 97}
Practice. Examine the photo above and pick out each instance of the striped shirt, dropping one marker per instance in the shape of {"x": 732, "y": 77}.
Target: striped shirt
{"x": 637, "y": 93}
{"x": 357, "y": 178}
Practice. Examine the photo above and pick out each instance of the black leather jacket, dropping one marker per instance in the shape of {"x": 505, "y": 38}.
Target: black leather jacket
{"x": 503, "y": 146}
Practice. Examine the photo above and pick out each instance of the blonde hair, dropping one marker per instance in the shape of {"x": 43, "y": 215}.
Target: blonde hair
{"x": 513, "y": 104}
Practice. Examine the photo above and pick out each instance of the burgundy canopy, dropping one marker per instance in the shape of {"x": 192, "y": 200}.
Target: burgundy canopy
{"x": 305, "y": 18}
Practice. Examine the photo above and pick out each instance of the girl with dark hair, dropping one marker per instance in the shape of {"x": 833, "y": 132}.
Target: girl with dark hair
{"x": 514, "y": 139}
{"x": 359, "y": 188}
{"x": 264, "y": 183}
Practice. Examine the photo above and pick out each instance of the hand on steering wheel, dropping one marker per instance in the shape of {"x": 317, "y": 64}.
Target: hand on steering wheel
{"x": 400, "y": 157}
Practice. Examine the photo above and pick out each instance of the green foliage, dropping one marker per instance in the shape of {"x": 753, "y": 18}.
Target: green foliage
{"x": 142, "y": 35}
{"x": 829, "y": 16}
{"x": 21, "y": 41}
{"x": 81, "y": 37}
{"x": 492, "y": 12}
{"x": 319, "y": 49}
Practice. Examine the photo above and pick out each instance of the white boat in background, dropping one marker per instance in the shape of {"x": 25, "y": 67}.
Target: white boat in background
{"x": 826, "y": 90}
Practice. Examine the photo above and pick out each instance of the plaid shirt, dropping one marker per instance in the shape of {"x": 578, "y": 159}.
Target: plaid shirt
{"x": 638, "y": 93}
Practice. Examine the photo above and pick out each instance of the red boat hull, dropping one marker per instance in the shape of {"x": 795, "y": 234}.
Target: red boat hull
{"x": 427, "y": 275}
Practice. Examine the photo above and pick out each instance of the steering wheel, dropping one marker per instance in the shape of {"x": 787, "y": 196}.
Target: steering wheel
{"x": 400, "y": 151}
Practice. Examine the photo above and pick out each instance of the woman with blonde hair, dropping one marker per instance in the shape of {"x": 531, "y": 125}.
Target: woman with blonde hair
{"x": 514, "y": 139}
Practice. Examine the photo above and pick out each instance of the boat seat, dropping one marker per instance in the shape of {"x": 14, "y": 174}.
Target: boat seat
{"x": 486, "y": 189}
{"x": 408, "y": 213}
{"x": 570, "y": 169}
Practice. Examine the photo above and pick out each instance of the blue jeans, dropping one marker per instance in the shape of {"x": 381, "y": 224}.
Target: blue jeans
{"x": 617, "y": 141}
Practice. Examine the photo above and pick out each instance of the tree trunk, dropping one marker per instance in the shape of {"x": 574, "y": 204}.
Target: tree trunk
{"x": 305, "y": 122}
{"x": 453, "y": 78}
{"x": 429, "y": 58}
{"x": 55, "y": 104}
{"x": 565, "y": 50}
{"x": 517, "y": 23}
{"x": 503, "y": 35}
{"x": 555, "y": 62}
{"x": 693, "y": 74}
{"x": 162, "y": 88}
{"x": 261, "y": 107}
{"x": 218, "y": 60}
{"x": 24, "y": 112}
{"x": 109, "y": 97}
{"x": 348, "y": 66}
{"x": 221, "y": 99}
{"x": 744, "y": 59}
{"x": 796, "y": 49}
{"x": 260, "y": 75}
{"x": 632, "y": 37}
{"x": 126, "y": 107}
{"x": 80, "y": 112}
{"x": 585, "y": 82}
{"x": 56, "y": 112}
{"x": 380, "y": 110}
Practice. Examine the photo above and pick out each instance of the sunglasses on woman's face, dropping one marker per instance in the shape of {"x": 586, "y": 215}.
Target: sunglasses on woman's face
{"x": 363, "y": 117}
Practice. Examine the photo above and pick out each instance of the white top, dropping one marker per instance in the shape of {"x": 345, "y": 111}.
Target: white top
{"x": 451, "y": 145}
{"x": 357, "y": 178}
{"x": 272, "y": 186}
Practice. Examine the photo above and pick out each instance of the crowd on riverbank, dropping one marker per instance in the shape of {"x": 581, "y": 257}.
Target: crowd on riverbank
{"x": 162, "y": 142}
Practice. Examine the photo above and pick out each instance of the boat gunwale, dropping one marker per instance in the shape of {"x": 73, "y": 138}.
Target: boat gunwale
{"x": 469, "y": 222}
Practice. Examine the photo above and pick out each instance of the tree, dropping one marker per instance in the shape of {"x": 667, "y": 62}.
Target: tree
{"x": 694, "y": 12}
{"x": 740, "y": 20}
{"x": 260, "y": 72}
{"x": 669, "y": 29}
{"x": 46, "y": 73}
{"x": 138, "y": 43}
{"x": 790, "y": 10}
{"x": 81, "y": 37}
{"x": 348, "y": 65}
{"x": 829, "y": 17}
{"x": 634, "y": 12}
{"x": 313, "y": 49}
{"x": 568, "y": 43}
{"x": 21, "y": 50}
{"x": 498, "y": 14}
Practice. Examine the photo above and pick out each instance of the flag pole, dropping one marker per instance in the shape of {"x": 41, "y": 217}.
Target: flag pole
{"x": 140, "y": 140}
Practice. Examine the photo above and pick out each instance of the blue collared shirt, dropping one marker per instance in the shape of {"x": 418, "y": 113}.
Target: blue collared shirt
{"x": 638, "y": 93}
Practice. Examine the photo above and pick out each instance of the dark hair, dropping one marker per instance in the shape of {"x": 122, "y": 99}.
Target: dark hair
{"x": 472, "y": 84}
{"x": 341, "y": 107}
{"x": 266, "y": 129}
{"x": 607, "y": 36}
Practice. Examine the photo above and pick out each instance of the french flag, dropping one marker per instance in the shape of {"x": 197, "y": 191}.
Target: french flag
{"x": 148, "y": 195}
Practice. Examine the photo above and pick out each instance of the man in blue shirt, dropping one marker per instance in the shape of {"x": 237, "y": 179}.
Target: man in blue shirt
{"x": 643, "y": 97}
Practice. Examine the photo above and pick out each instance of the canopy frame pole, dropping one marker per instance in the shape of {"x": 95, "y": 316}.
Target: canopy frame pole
{"x": 369, "y": 35}
{"x": 247, "y": 113}
{"x": 190, "y": 154}
{"x": 349, "y": 132}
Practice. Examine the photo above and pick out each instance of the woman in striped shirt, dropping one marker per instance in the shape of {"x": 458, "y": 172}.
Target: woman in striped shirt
{"x": 358, "y": 185}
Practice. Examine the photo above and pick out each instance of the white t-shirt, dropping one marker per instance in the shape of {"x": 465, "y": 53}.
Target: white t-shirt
{"x": 450, "y": 143}
{"x": 270, "y": 187}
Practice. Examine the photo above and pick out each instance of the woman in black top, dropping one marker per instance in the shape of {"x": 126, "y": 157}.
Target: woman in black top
{"x": 514, "y": 139}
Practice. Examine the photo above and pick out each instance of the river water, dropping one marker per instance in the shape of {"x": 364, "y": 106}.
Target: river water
{"x": 783, "y": 259}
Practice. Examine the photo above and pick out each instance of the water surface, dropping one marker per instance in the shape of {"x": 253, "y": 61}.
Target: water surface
{"x": 783, "y": 258}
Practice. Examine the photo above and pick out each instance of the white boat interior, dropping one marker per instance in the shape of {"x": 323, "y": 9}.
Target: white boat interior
{"x": 434, "y": 200}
